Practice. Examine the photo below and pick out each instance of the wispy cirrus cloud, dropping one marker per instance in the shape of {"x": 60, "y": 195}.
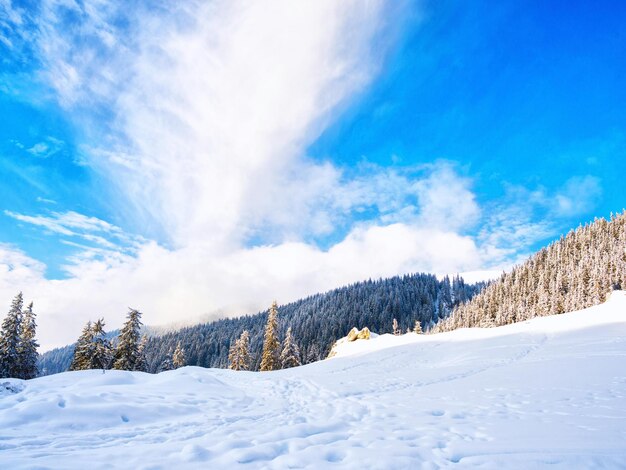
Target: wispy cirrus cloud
{"x": 578, "y": 195}
{"x": 46, "y": 148}
{"x": 90, "y": 229}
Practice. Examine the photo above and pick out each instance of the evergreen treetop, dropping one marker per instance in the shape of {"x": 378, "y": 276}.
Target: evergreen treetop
{"x": 28, "y": 345}
{"x": 178, "y": 358}
{"x": 290, "y": 356}
{"x": 271, "y": 345}
{"x": 127, "y": 351}
{"x": 10, "y": 339}
{"x": 142, "y": 363}
{"x": 239, "y": 353}
{"x": 83, "y": 350}
{"x": 101, "y": 349}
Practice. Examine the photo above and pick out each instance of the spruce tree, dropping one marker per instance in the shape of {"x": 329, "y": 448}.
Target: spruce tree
{"x": 313, "y": 354}
{"x": 178, "y": 358}
{"x": 417, "y": 329}
{"x": 28, "y": 345}
{"x": 127, "y": 351}
{"x": 271, "y": 345}
{"x": 10, "y": 338}
{"x": 101, "y": 349}
{"x": 290, "y": 356}
{"x": 239, "y": 353}
{"x": 396, "y": 328}
{"x": 83, "y": 349}
{"x": 167, "y": 363}
{"x": 142, "y": 363}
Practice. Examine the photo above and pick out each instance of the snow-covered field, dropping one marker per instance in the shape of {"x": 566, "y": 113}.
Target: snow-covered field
{"x": 546, "y": 393}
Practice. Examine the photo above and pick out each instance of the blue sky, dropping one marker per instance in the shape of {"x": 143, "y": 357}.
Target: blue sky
{"x": 519, "y": 93}
{"x": 206, "y": 158}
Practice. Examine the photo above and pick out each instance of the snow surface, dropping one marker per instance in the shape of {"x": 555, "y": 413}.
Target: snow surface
{"x": 550, "y": 392}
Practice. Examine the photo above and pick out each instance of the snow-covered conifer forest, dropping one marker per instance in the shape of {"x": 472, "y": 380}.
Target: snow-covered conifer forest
{"x": 316, "y": 322}
{"x": 574, "y": 272}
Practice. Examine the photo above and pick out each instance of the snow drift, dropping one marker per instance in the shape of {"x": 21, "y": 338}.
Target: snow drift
{"x": 550, "y": 392}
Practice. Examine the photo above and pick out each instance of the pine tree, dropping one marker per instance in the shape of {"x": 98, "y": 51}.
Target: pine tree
{"x": 10, "y": 338}
{"x": 28, "y": 344}
{"x": 142, "y": 363}
{"x": 417, "y": 329}
{"x": 239, "y": 353}
{"x": 290, "y": 356}
{"x": 271, "y": 345}
{"x": 83, "y": 350}
{"x": 396, "y": 328}
{"x": 178, "y": 358}
{"x": 101, "y": 349}
{"x": 167, "y": 363}
{"x": 313, "y": 354}
{"x": 127, "y": 352}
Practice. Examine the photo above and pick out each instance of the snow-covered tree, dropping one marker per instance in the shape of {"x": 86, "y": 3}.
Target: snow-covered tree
{"x": 167, "y": 363}
{"x": 396, "y": 328}
{"x": 142, "y": 363}
{"x": 313, "y": 354}
{"x": 83, "y": 349}
{"x": 101, "y": 350}
{"x": 127, "y": 351}
{"x": 239, "y": 353}
{"x": 10, "y": 339}
{"x": 178, "y": 358}
{"x": 271, "y": 345}
{"x": 28, "y": 345}
{"x": 290, "y": 356}
{"x": 417, "y": 329}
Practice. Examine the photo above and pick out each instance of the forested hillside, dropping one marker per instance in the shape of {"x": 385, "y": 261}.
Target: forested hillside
{"x": 316, "y": 321}
{"x": 55, "y": 361}
{"x": 572, "y": 273}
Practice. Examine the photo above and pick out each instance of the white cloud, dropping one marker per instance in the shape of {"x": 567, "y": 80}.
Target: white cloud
{"x": 45, "y": 201}
{"x": 215, "y": 102}
{"x": 446, "y": 200}
{"x": 188, "y": 283}
{"x": 47, "y": 148}
{"x": 73, "y": 224}
{"x": 17, "y": 269}
{"x": 579, "y": 195}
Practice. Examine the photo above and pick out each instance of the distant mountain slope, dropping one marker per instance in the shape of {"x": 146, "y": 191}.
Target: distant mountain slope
{"x": 316, "y": 321}
{"x": 55, "y": 361}
{"x": 572, "y": 273}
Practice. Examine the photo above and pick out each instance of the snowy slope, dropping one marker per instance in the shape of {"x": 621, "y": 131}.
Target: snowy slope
{"x": 550, "y": 392}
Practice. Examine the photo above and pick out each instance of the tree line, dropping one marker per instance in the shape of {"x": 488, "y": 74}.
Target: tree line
{"x": 575, "y": 272}
{"x": 94, "y": 350}
{"x": 274, "y": 356}
{"x": 316, "y": 322}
